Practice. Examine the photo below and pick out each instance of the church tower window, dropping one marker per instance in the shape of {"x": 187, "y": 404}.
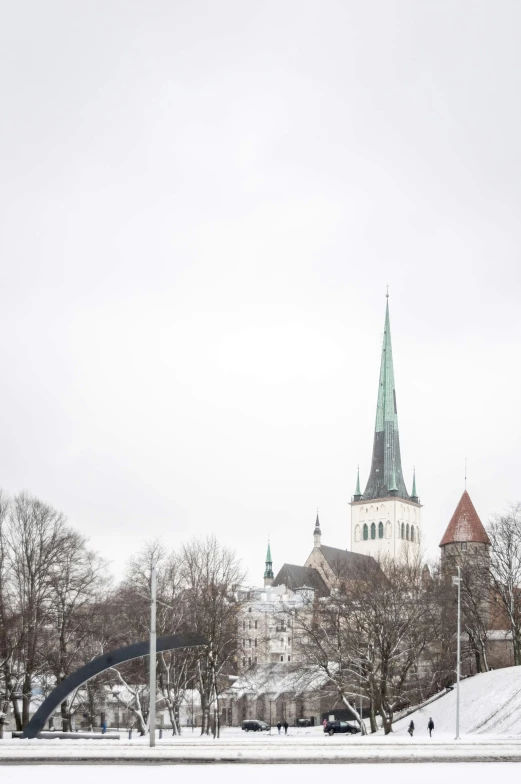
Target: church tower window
{"x": 380, "y": 530}
{"x": 366, "y": 532}
{"x": 412, "y": 533}
{"x": 373, "y": 531}
{"x": 407, "y": 532}
{"x": 403, "y": 530}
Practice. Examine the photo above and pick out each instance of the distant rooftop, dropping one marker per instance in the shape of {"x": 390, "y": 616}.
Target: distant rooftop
{"x": 465, "y": 525}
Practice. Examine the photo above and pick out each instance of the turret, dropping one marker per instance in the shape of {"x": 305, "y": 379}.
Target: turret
{"x": 317, "y": 533}
{"x": 358, "y": 495}
{"x": 268, "y": 572}
{"x": 414, "y": 494}
{"x": 465, "y": 534}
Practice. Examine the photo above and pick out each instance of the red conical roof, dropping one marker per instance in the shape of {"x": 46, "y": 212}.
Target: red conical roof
{"x": 465, "y": 525}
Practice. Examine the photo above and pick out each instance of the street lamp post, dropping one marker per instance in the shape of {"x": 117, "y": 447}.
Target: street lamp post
{"x": 152, "y": 680}
{"x": 457, "y": 581}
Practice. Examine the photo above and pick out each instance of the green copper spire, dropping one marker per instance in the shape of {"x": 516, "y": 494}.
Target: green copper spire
{"x": 414, "y": 494}
{"x": 392, "y": 487}
{"x": 358, "y": 495}
{"x": 268, "y": 574}
{"x": 386, "y": 467}
{"x": 386, "y": 405}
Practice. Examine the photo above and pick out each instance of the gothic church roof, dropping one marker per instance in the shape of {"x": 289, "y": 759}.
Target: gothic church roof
{"x": 294, "y": 577}
{"x": 345, "y": 564}
{"x": 465, "y": 525}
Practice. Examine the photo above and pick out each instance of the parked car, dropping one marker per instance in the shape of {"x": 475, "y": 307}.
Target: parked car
{"x": 332, "y": 727}
{"x": 254, "y": 725}
{"x": 304, "y": 723}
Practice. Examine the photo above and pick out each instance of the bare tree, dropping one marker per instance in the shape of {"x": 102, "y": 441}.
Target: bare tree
{"x": 34, "y": 541}
{"x": 368, "y": 637}
{"x": 505, "y": 536}
{"x": 75, "y": 584}
{"x": 211, "y": 575}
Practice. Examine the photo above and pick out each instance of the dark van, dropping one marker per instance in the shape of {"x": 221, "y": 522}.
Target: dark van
{"x": 332, "y": 727}
{"x": 254, "y": 725}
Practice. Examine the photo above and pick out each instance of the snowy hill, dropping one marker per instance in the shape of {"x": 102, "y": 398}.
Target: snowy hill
{"x": 489, "y": 703}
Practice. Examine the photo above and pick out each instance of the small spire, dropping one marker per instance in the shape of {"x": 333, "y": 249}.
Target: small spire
{"x": 268, "y": 572}
{"x": 358, "y": 495}
{"x": 317, "y": 533}
{"x": 414, "y": 494}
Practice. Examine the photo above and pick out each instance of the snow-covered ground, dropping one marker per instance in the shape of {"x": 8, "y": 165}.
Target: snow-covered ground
{"x": 257, "y": 774}
{"x": 310, "y": 746}
{"x": 489, "y": 704}
{"x": 490, "y": 727}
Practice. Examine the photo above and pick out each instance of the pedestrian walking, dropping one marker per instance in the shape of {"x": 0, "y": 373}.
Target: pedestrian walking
{"x": 411, "y": 729}
{"x": 279, "y": 725}
{"x": 103, "y": 727}
{"x": 286, "y": 725}
{"x": 430, "y": 727}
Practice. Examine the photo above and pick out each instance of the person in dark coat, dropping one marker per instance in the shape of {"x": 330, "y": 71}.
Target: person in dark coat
{"x": 430, "y": 727}
{"x": 286, "y": 725}
{"x": 411, "y": 729}
{"x": 279, "y": 725}
{"x": 103, "y": 727}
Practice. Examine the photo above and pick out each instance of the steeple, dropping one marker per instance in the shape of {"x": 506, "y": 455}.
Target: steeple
{"x": 358, "y": 495}
{"x": 317, "y": 533}
{"x": 268, "y": 572}
{"x": 414, "y": 494}
{"x": 386, "y": 477}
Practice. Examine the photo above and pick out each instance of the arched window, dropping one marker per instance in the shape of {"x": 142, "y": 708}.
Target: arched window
{"x": 373, "y": 531}
{"x": 380, "y": 530}
{"x": 403, "y": 531}
{"x": 407, "y": 532}
{"x": 357, "y": 533}
{"x": 388, "y": 530}
{"x": 412, "y": 533}
{"x": 366, "y": 532}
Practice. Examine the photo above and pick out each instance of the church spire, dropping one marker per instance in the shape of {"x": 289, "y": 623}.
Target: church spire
{"x": 414, "y": 494}
{"x": 317, "y": 533}
{"x": 268, "y": 573}
{"x": 358, "y": 495}
{"x": 386, "y": 477}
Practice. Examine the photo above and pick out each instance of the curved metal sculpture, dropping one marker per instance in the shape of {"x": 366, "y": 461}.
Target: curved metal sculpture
{"x": 101, "y": 663}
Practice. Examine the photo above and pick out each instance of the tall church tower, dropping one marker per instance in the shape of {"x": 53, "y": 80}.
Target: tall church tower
{"x": 385, "y": 519}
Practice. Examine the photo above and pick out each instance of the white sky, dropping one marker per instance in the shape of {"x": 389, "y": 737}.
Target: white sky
{"x": 202, "y": 203}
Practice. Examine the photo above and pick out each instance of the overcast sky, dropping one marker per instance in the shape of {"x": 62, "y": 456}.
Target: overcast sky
{"x": 202, "y": 204}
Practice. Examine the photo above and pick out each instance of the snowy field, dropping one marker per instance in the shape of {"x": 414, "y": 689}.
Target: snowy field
{"x": 304, "y": 746}
{"x": 257, "y": 774}
{"x": 490, "y": 704}
{"x": 490, "y": 731}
